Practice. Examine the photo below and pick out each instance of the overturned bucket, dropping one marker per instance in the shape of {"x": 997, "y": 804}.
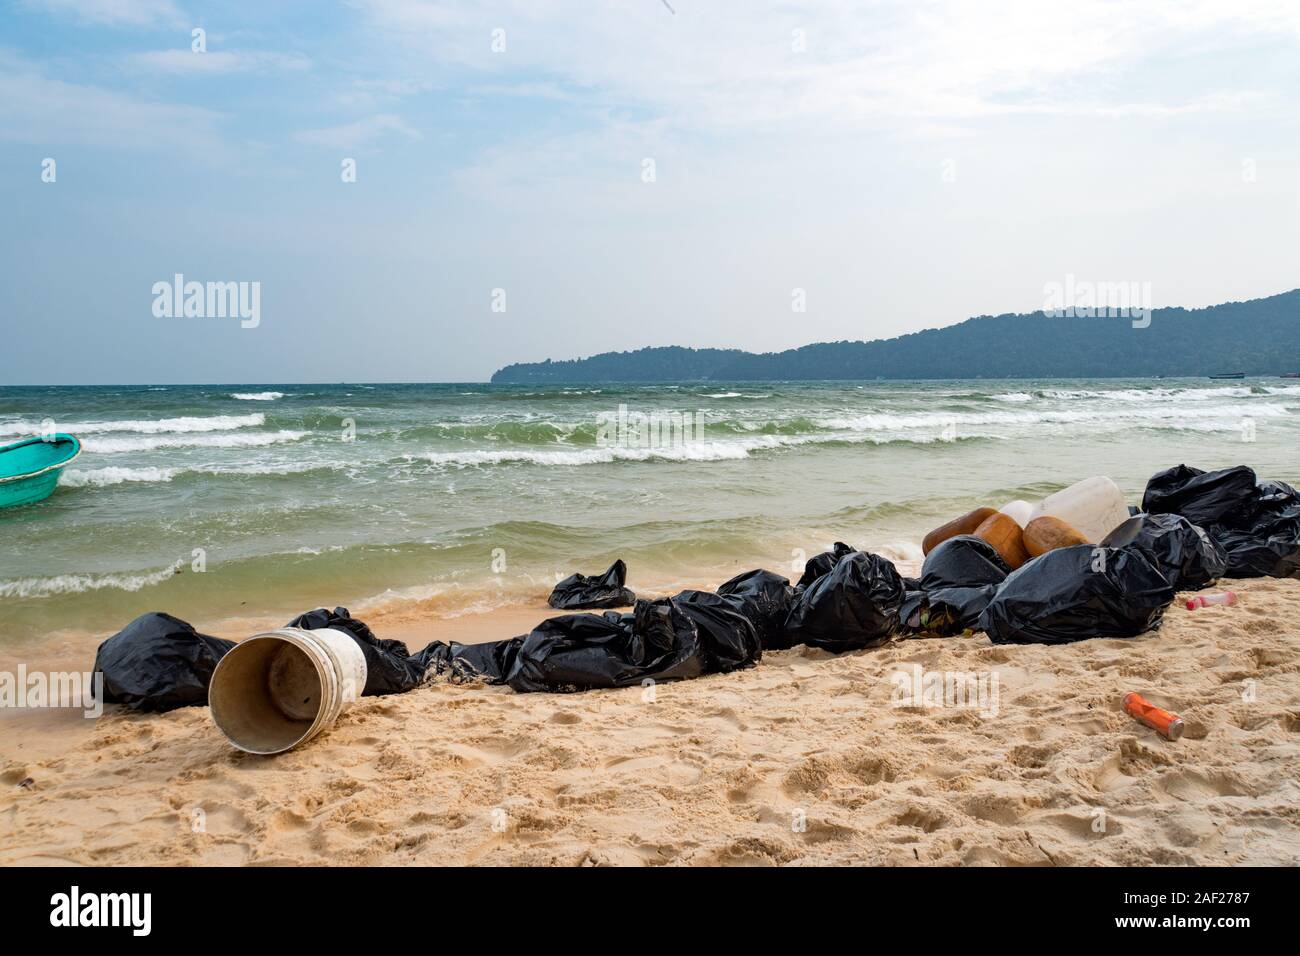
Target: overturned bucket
{"x": 275, "y": 690}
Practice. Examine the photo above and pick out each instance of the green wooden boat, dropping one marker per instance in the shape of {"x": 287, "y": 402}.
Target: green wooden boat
{"x": 29, "y": 469}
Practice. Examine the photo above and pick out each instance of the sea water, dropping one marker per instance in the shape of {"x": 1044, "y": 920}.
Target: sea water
{"x": 218, "y": 501}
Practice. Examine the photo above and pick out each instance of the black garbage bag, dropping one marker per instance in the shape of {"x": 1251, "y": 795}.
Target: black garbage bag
{"x": 1071, "y": 594}
{"x": 820, "y": 564}
{"x": 583, "y": 651}
{"x": 1256, "y": 523}
{"x": 852, "y": 606}
{"x": 158, "y": 663}
{"x": 764, "y": 598}
{"x": 1186, "y": 555}
{"x": 489, "y": 662}
{"x": 579, "y": 591}
{"x": 1268, "y": 548}
{"x": 728, "y": 639}
{"x": 959, "y": 578}
{"x": 390, "y": 667}
{"x": 1205, "y": 498}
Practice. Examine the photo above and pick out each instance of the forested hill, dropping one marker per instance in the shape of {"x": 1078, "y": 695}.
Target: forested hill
{"x": 1258, "y": 337}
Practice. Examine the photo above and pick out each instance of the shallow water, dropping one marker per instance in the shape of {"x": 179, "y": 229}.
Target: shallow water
{"x": 471, "y": 496}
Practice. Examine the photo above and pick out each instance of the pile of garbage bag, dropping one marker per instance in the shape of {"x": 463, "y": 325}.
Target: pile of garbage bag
{"x": 583, "y": 592}
{"x": 1027, "y": 573}
{"x": 1071, "y": 594}
{"x": 1257, "y": 523}
{"x": 1185, "y": 554}
{"x": 958, "y": 579}
{"x": 689, "y": 634}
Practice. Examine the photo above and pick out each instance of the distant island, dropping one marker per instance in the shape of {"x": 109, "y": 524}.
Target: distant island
{"x": 1258, "y": 337}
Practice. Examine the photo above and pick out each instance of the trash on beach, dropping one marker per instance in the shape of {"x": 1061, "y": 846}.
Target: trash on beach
{"x": 764, "y": 598}
{"x": 1093, "y": 507}
{"x": 1018, "y": 511}
{"x": 1170, "y": 726}
{"x": 728, "y": 638}
{"x": 1208, "y": 499}
{"x": 656, "y": 642}
{"x": 966, "y": 524}
{"x": 1257, "y": 523}
{"x": 158, "y": 663}
{"x": 1226, "y": 598}
{"x": 852, "y": 606}
{"x": 580, "y": 591}
{"x": 1187, "y": 556}
{"x": 1048, "y": 532}
{"x": 390, "y": 667}
{"x": 1072, "y": 594}
{"x": 958, "y": 579}
{"x": 276, "y": 690}
{"x": 1006, "y": 537}
{"x": 820, "y": 564}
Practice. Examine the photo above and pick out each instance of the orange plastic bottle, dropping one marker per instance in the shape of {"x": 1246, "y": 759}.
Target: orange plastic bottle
{"x": 1168, "y": 725}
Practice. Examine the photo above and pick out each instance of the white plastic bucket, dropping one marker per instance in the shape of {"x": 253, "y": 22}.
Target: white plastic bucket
{"x": 1018, "y": 511}
{"x": 1094, "y": 506}
{"x": 275, "y": 690}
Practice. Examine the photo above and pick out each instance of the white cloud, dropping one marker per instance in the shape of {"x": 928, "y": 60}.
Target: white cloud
{"x": 730, "y": 63}
{"x": 135, "y": 13}
{"x": 36, "y": 108}
{"x": 359, "y": 135}
{"x": 217, "y": 61}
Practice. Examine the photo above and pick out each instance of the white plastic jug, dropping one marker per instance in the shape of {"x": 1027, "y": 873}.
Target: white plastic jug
{"x": 276, "y": 690}
{"x": 1094, "y": 506}
{"x": 1018, "y": 511}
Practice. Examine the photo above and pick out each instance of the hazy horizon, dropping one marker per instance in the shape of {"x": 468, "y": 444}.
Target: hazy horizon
{"x": 545, "y": 180}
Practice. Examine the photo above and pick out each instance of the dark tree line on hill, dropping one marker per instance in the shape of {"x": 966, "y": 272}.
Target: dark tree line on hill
{"x": 1258, "y": 337}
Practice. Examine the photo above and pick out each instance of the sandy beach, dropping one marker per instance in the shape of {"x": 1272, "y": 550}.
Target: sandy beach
{"x": 800, "y": 760}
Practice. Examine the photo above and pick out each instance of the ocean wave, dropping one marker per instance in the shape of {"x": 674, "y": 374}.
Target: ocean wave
{"x": 99, "y": 477}
{"x": 234, "y": 440}
{"x": 257, "y": 396}
{"x": 1189, "y": 417}
{"x": 213, "y": 423}
{"x": 1147, "y": 394}
{"x": 699, "y": 451}
{"x": 81, "y": 583}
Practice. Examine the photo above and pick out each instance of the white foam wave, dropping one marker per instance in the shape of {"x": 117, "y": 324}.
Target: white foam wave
{"x": 81, "y": 583}
{"x": 231, "y": 440}
{"x": 99, "y": 477}
{"x": 1171, "y": 415}
{"x": 160, "y": 426}
{"x": 116, "y": 475}
{"x": 257, "y": 396}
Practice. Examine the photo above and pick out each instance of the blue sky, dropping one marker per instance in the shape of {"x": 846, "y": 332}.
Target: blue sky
{"x": 906, "y": 164}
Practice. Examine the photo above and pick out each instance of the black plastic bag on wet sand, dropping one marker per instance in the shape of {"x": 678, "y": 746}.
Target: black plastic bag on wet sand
{"x": 853, "y": 605}
{"x": 1072, "y": 594}
{"x": 158, "y": 663}
{"x": 581, "y": 591}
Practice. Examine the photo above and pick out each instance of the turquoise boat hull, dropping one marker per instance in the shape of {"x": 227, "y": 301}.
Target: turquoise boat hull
{"x": 30, "y": 469}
